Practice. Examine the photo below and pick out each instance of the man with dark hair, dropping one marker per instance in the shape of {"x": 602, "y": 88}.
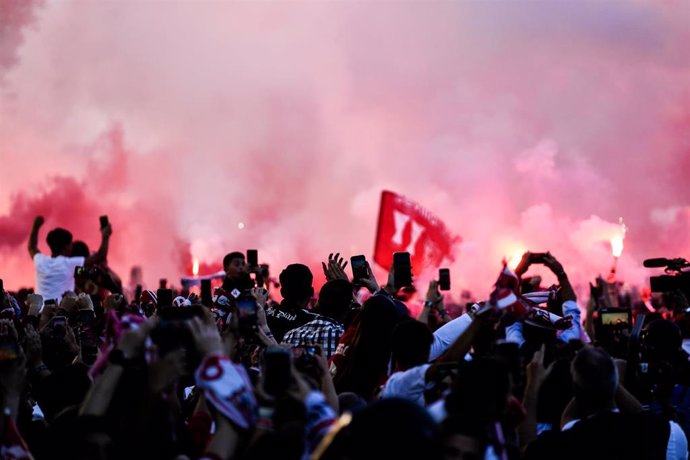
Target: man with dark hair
{"x": 297, "y": 290}
{"x": 604, "y": 415}
{"x": 236, "y": 275}
{"x": 55, "y": 274}
{"x": 335, "y": 300}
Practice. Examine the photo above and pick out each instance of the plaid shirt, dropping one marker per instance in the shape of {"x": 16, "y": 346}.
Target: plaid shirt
{"x": 322, "y": 331}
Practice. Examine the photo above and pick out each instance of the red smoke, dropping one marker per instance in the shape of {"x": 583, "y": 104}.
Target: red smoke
{"x": 521, "y": 125}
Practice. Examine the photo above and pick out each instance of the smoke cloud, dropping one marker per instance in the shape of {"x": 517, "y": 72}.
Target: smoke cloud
{"x": 202, "y": 128}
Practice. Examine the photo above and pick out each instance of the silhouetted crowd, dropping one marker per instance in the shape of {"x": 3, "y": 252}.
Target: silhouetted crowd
{"x": 223, "y": 370}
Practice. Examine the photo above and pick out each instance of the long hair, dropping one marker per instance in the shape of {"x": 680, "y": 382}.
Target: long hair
{"x": 365, "y": 364}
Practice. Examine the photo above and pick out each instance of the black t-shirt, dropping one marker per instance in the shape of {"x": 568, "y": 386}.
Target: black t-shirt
{"x": 609, "y": 436}
{"x": 285, "y": 317}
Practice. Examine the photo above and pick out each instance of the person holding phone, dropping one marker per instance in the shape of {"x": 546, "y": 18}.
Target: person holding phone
{"x": 325, "y": 330}
{"x": 55, "y": 273}
{"x": 236, "y": 273}
{"x": 297, "y": 290}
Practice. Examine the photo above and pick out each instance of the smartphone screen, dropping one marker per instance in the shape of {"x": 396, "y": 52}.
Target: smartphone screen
{"x": 246, "y": 308}
{"x": 444, "y": 279}
{"x": 79, "y": 272}
{"x": 403, "y": 269}
{"x": 9, "y": 349}
{"x": 104, "y": 221}
{"x": 252, "y": 258}
{"x": 359, "y": 267}
{"x": 246, "y": 312}
{"x": 614, "y": 318}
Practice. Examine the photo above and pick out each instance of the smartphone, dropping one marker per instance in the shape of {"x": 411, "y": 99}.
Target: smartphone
{"x": 252, "y": 258}
{"x": 246, "y": 312}
{"x": 206, "y": 296}
{"x": 165, "y": 297}
{"x": 172, "y": 330}
{"x": 50, "y": 302}
{"x": 80, "y": 272}
{"x": 403, "y": 269}
{"x": 537, "y": 257}
{"x": 444, "y": 279}
{"x": 59, "y": 326}
{"x": 614, "y": 318}
{"x": 104, "y": 221}
{"x": 9, "y": 348}
{"x": 276, "y": 368}
{"x": 360, "y": 268}
{"x": 2, "y": 293}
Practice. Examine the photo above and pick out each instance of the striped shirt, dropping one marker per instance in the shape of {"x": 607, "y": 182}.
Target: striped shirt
{"x": 322, "y": 331}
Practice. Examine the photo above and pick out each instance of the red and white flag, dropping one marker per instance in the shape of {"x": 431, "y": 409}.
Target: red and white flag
{"x": 405, "y": 226}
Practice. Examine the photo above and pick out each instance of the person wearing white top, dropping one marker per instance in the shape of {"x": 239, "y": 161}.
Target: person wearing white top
{"x": 55, "y": 273}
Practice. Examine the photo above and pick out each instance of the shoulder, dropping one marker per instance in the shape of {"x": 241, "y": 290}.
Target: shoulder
{"x": 39, "y": 257}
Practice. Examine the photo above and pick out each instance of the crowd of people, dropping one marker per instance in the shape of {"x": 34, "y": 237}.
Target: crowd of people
{"x": 88, "y": 371}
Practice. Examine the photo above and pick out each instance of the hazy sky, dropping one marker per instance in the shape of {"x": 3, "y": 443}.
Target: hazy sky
{"x": 521, "y": 124}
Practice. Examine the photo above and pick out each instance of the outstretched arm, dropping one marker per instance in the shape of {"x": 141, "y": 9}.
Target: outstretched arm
{"x": 33, "y": 237}
{"x": 102, "y": 252}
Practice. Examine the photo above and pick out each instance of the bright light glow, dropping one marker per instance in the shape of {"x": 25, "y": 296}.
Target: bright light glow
{"x": 240, "y": 225}
{"x": 516, "y": 256}
{"x": 617, "y": 240}
{"x": 195, "y": 266}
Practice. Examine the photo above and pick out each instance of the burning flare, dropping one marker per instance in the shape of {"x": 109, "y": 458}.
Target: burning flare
{"x": 195, "y": 266}
{"x": 617, "y": 240}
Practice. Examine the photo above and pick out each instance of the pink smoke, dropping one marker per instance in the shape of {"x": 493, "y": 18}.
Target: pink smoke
{"x": 521, "y": 125}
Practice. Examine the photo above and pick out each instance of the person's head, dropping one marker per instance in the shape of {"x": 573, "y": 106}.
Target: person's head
{"x": 233, "y": 264}
{"x": 60, "y": 241}
{"x": 481, "y": 391}
{"x": 390, "y": 428}
{"x": 662, "y": 340}
{"x": 595, "y": 378}
{"x": 410, "y": 343}
{"x": 80, "y": 249}
{"x": 335, "y": 299}
{"x": 296, "y": 283}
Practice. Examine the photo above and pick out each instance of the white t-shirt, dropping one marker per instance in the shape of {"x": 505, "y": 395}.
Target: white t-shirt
{"x": 55, "y": 275}
{"x": 409, "y": 384}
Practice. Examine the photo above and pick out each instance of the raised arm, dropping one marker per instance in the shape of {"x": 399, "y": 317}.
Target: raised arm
{"x": 33, "y": 237}
{"x": 102, "y": 252}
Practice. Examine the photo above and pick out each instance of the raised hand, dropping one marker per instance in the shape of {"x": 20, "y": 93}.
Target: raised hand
{"x": 39, "y": 221}
{"x": 524, "y": 264}
{"x": 206, "y": 336}
{"x": 535, "y": 371}
{"x": 433, "y": 295}
{"x": 32, "y": 346}
{"x": 335, "y": 268}
{"x": 370, "y": 281}
{"x": 132, "y": 341}
{"x": 12, "y": 375}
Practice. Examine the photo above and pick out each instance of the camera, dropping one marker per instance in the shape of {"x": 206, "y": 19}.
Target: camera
{"x": 675, "y": 278}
